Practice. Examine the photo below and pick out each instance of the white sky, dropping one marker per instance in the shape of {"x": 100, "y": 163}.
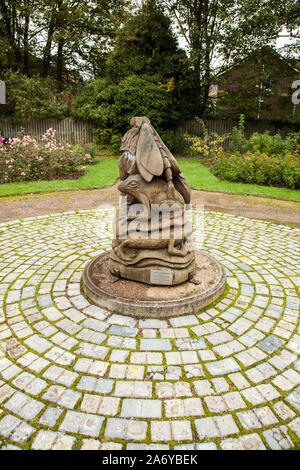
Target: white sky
{"x": 281, "y": 42}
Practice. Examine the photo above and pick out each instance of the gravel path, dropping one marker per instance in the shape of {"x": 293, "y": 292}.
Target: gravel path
{"x": 19, "y": 207}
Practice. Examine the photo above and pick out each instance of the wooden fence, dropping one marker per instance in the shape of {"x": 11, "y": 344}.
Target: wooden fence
{"x": 66, "y": 129}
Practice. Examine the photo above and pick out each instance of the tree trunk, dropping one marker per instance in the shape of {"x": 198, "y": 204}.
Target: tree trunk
{"x": 9, "y": 28}
{"x": 60, "y": 61}
{"x": 26, "y": 46}
{"x": 47, "y": 50}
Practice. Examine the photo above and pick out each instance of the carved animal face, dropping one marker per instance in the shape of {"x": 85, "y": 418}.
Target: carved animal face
{"x": 131, "y": 185}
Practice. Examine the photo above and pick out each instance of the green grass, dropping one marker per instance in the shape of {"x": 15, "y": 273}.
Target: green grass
{"x": 104, "y": 173}
{"x": 200, "y": 177}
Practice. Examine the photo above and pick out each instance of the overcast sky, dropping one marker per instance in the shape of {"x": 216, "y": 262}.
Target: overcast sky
{"x": 281, "y": 42}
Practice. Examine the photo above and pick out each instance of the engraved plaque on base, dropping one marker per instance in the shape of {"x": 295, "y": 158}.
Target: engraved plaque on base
{"x": 160, "y": 277}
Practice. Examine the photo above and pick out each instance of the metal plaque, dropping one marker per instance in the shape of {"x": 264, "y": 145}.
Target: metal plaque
{"x": 160, "y": 277}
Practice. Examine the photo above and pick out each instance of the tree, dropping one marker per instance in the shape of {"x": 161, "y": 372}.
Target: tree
{"x": 290, "y": 20}
{"x": 146, "y": 60}
{"x": 18, "y": 36}
{"x": 111, "y": 105}
{"x": 146, "y": 73}
{"x": 58, "y": 33}
{"x": 34, "y": 97}
{"x": 219, "y": 32}
{"x": 146, "y": 45}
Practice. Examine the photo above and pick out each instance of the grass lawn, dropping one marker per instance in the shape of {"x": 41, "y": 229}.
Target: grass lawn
{"x": 200, "y": 177}
{"x": 105, "y": 173}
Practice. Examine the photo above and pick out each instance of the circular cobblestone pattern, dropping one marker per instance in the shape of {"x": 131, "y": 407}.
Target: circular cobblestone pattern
{"x": 74, "y": 376}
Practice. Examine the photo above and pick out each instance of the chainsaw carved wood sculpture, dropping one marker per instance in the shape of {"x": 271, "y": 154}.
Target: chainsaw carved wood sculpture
{"x": 152, "y": 242}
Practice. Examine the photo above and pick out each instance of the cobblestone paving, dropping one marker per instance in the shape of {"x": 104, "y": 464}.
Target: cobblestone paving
{"x": 75, "y": 376}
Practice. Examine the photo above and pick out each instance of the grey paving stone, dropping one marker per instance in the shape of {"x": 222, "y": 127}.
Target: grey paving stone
{"x": 249, "y": 442}
{"x": 104, "y": 386}
{"x": 8, "y": 424}
{"x": 100, "y": 405}
{"x": 44, "y": 301}
{"x": 147, "y": 447}
{"x": 271, "y": 344}
{"x": 82, "y": 423}
{"x": 117, "y": 428}
{"x": 277, "y": 439}
{"x": 92, "y": 350}
{"x": 295, "y": 426}
{"x": 219, "y": 337}
{"x": 191, "y": 344}
{"x": 134, "y": 389}
{"x": 122, "y": 331}
{"x": 37, "y": 343}
{"x": 206, "y": 446}
{"x": 118, "y": 355}
{"x": 206, "y": 428}
{"x": 5, "y": 392}
{"x": 155, "y": 344}
{"x": 249, "y": 420}
{"x": 93, "y": 444}
{"x": 50, "y": 416}
{"x": 223, "y": 367}
{"x": 96, "y": 325}
{"x": 226, "y": 425}
{"x": 171, "y": 430}
{"x": 181, "y": 357}
{"x": 139, "y": 408}
{"x": 122, "y": 320}
{"x": 180, "y": 408}
{"x": 44, "y": 440}
{"x": 22, "y": 433}
{"x": 24, "y": 406}
{"x": 294, "y": 398}
{"x": 88, "y": 383}
{"x": 153, "y": 323}
{"x": 220, "y": 385}
{"x": 203, "y": 387}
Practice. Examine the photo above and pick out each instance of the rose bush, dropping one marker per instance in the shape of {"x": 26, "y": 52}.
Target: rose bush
{"x": 26, "y": 159}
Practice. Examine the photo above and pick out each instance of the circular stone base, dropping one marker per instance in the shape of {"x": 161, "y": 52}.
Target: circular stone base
{"x": 154, "y": 275}
{"x": 144, "y": 301}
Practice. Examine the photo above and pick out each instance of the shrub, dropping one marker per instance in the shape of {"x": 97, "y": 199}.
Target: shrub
{"x": 25, "y": 159}
{"x": 90, "y": 149}
{"x": 35, "y": 97}
{"x": 237, "y": 139}
{"x": 111, "y": 106}
{"x": 266, "y": 143}
{"x": 174, "y": 141}
{"x": 293, "y": 143}
{"x": 262, "y": 142}
{"x": 260, "y": 168}
{"x": 103, "y": 136}
{"x": 207, "y": 148}
{"x": 115, "y": 143}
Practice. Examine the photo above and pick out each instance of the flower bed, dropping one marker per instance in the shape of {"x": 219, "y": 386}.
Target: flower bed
{"x": 26, "y": 159}
{"x": 260, "y": 168}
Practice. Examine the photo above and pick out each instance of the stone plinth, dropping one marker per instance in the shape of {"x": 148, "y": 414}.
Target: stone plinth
{"x": 154, "y": 301}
